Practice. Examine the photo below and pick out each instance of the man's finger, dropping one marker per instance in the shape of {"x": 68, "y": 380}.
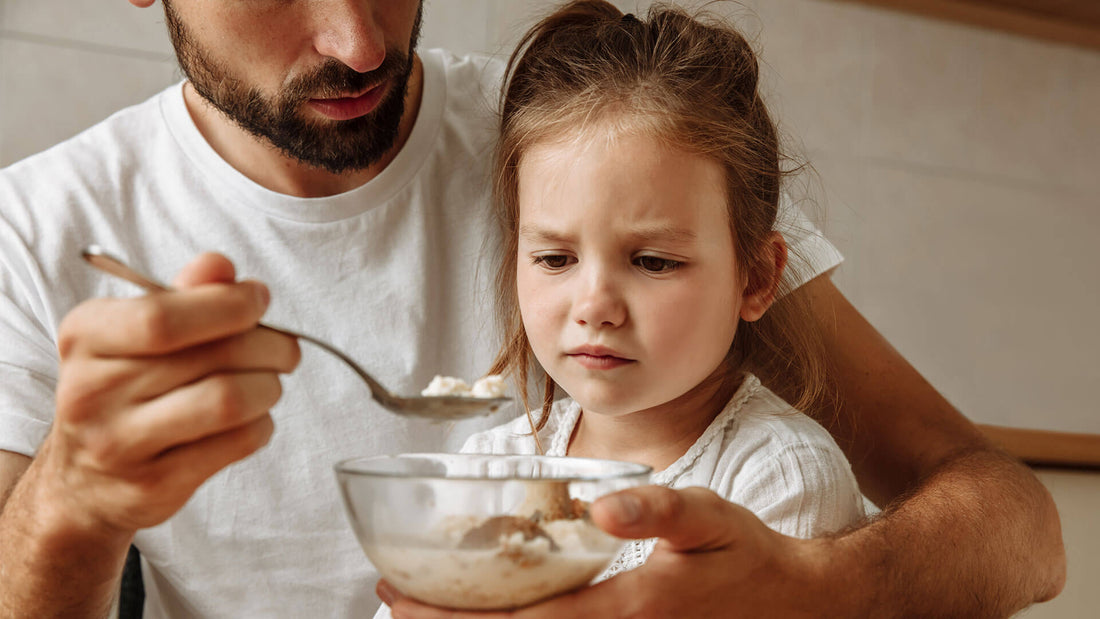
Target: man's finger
{"x": 194, "y": 463}
{"x": 208, "y": 268}
{"x": 207, "y": 407}
{"x": 157, "y": 491}
{"x": 162, "y": 322}
{"x": 687, "y": 520}
{"x": 257, "y": 350}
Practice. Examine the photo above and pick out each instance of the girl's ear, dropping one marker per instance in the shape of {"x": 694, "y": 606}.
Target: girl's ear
{"x": 765, "y": 282}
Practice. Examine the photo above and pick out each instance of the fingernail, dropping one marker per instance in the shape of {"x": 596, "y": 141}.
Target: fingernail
{"x": 263, "y": 294}
{"x": 625, "y": 508}
{"x": 386, "y": 592}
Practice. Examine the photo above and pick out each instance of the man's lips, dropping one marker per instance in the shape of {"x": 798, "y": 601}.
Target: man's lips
{"x": 347, "y": 108}
{"x": 597, "y": 358}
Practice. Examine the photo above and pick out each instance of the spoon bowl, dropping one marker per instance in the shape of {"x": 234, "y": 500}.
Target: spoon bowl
{"x": 438, "y": 408}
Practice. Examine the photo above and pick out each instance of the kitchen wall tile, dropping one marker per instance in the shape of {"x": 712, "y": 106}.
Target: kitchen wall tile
{"x": 833, "y": 190}
{"x": 925, "y": 84}
{"x": 816, "y": 62}
{"x": 483, "y": 26}
{"x": 111, "y": 23}
{"x": 457, "y": 26}
{"x": 1080, "y": 157}
{"x": 509, "y": 20}
{"x": 986, "y": 289}
{"x": 975, "y": 100}
{"x": 51, "y": 93}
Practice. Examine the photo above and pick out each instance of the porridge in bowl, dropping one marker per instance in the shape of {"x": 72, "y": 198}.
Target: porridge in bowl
{"x": 479, "y": 531}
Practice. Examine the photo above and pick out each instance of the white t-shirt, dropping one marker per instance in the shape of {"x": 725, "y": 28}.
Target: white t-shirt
{"x": 395, "y": 272}
{"x": 758, "y": 452}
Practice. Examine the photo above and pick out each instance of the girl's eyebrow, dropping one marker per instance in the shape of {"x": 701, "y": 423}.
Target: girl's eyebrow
{"x": 540, "y": 233}
{"x": 668, "y": 234}
{"x": 663, "y": 233}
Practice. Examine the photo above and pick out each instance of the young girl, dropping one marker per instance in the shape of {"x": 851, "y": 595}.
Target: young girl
{"x": 638, "y": 181}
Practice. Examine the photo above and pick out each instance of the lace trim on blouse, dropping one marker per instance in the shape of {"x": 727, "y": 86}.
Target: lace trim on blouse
{"x": 635, "y": 552}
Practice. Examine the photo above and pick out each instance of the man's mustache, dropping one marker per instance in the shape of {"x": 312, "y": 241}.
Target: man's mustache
{"x": 336, "y": 79}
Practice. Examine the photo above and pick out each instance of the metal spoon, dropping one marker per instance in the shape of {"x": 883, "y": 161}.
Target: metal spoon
{"x": 440, "y": 408}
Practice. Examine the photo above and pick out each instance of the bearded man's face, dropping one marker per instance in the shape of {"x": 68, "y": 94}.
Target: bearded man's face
{"x": 291, "y": 115}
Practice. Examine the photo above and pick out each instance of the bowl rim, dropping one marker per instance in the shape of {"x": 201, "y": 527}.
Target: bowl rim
{"x": 628, "y": 469}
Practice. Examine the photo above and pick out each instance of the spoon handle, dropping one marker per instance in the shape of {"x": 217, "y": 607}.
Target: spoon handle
{"x": 377, "y": 391}
{"x": 104, "y": 261}
{"x": 100, "y": 259}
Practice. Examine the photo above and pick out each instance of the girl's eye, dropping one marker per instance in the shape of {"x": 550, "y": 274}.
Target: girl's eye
{"x": 554, "y": 261}
{"x": 653, "y": 264}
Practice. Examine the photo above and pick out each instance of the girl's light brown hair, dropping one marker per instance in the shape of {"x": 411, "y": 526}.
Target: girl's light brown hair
{"x": 691, "y": 82}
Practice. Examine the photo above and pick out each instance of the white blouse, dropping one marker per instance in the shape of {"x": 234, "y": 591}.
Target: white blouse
{"x": 758, "y": 452}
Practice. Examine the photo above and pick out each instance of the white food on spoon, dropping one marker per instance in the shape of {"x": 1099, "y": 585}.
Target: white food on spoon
{"x": 491, "y": 386}
{"x": 446, "y": 385}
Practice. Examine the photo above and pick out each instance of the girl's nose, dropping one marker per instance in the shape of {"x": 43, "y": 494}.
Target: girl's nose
{"x": 599, "y": 300}
{"x": 348, "y": 32}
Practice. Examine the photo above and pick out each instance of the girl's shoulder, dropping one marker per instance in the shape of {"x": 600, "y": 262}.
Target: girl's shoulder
{"x": 756, "y": 423}
{"x": 766, "y": 420}
{"x": 757, "y": 431}
{"x": 787, "y": 469}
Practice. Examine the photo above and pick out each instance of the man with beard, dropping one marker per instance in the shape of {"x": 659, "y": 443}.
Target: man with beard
{"x": 347, "y": 172}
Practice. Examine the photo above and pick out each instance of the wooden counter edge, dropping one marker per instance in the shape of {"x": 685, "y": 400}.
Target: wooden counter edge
{"x": 1047, "y": 448}
{"x": 1066, "y": 29}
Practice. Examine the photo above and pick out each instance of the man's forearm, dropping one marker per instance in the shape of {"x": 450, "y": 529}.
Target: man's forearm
{"x": 49, "y": 568}
{"x": 978, "y": 538}
{"x": 968, "y": 530}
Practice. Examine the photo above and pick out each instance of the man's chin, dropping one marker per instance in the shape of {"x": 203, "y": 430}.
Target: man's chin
{"x": 337, "y": 146}
{"x": 337, "y": 160}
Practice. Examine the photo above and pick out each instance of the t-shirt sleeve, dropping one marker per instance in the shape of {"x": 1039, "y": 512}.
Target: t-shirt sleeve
{"x": 804, "y": 490}
{"x": 809, "y": 253}
{"x": 28, "y": 359}
{"x": 28, "y": 375}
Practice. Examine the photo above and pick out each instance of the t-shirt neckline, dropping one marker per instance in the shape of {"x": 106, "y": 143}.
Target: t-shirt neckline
{"x": 379, "y": 190}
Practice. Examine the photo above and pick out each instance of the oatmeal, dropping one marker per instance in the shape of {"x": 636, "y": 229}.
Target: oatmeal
{"x": 491, "y": 386}
{"x": 498, "y": 563}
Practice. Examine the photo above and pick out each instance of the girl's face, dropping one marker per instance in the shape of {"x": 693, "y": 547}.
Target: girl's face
{"x": 627, "y": 280}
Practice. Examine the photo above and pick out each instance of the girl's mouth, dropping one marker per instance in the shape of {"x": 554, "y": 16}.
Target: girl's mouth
{"x": 599, "y": 362}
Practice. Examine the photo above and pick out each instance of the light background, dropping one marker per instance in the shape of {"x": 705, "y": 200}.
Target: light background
{"x": 958, "y": 169}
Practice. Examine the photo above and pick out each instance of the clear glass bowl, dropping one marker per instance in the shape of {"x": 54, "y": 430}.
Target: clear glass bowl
{"x": 482, "y": 531}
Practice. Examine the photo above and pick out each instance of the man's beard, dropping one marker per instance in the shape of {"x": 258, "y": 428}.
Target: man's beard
{"x": 336, "y": 146}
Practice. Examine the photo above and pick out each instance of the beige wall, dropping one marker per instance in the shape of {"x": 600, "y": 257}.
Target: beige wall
{"x": 959, "y": 171}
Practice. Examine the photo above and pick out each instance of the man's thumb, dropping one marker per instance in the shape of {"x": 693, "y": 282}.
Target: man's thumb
{"x": 693, "y": 519}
